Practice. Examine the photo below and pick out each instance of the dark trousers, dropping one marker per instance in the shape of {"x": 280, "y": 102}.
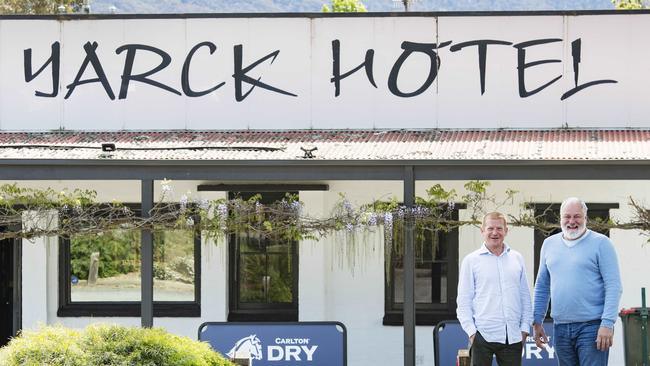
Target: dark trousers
{"x": 482, "y": 352}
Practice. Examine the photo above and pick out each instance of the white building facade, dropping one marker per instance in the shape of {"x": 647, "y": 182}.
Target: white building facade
{"x": 551, "y": 105}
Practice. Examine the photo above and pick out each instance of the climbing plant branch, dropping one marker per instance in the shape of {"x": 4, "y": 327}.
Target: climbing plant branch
{"x": 32, "y": 212}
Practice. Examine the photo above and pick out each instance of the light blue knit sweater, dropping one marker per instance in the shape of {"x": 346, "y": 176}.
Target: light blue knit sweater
{"x": 582, "y": 281}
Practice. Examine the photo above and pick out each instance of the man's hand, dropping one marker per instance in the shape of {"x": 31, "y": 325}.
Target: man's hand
{"x": 540, "y": 336}
{"x": 471, "y": 339}
{"x": 605, "y": 338}
{"x": 524, "y": 335}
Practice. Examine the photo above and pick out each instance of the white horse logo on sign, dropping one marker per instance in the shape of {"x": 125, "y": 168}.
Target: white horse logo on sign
{"x": 248, "y": 347}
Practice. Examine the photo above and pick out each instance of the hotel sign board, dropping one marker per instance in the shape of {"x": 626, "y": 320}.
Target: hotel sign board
{"x": 275, "y": 72}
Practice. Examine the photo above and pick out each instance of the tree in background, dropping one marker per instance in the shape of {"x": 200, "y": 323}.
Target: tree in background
{"x": 32, "y": 7}
{"x": 630, "y": 4}
{"x": 345, "y": 6}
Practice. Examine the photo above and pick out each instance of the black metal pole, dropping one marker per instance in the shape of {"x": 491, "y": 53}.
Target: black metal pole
{"x": 146, "y": 258}
{"x": 644, "y": 329}
{"x": 409, "y": 269}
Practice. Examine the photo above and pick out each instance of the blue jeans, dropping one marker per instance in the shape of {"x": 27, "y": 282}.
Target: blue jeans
{"x": 575, "y": 344}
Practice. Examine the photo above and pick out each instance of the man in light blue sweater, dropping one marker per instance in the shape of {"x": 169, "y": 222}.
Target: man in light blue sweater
{"x": 578, "y": 269}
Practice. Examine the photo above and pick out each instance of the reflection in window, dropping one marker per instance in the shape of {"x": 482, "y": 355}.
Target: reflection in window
{"x": 173, "y": 266}
{"x": 265, "y": 270}
{"x": 106, "y": 267}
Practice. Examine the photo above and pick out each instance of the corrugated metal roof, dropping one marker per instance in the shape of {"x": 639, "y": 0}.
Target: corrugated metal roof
{"x": 560, "y": 144}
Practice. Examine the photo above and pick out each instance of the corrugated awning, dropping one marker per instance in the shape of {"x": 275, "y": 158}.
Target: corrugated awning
{"x": 559, "y": 144}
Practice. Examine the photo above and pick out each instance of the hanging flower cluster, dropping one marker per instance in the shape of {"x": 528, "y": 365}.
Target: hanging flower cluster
{"x": 31, "y": 212}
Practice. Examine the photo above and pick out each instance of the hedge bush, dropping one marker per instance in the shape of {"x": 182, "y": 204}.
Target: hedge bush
{"x": 109, "y": 345}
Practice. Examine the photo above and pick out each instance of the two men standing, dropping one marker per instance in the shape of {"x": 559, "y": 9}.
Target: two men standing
{"x": 578, "y": 271}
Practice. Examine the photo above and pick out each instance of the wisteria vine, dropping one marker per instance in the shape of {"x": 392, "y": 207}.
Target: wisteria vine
{"x": 31, "y": 212}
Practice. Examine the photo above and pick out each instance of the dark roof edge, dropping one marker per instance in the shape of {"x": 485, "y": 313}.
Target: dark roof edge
{"x": 63, "y": 17}
{"x": 307, "y": 162}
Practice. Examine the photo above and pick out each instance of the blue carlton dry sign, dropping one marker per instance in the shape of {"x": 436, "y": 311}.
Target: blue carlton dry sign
{"x": 449, "y": 337}
{"x": 268, "y": 344}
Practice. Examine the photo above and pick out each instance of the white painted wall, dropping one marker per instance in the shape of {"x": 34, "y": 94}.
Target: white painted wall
{"x": 341, "y": 279}
{"x": 304, "y": 65}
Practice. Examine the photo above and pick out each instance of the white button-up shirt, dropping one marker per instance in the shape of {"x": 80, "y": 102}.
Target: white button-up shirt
{"x": 493, "y": 295}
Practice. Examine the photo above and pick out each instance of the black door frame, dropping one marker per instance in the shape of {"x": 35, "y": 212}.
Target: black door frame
{"x": 16, "y": 296}
{"x": 18, "y": 286}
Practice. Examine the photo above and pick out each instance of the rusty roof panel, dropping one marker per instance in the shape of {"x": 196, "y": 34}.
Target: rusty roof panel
{"x": 559, "y": 144}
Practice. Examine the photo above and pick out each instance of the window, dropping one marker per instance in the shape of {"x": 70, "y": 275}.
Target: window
{"x": 436, "y": 277}
{"x": 100, "y": 274}
{"x": 263, "y": 273}
{"x": 596, "y": 211}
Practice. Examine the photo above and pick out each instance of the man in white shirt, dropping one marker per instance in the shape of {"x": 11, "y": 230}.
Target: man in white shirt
{"x": 494, "y": 305}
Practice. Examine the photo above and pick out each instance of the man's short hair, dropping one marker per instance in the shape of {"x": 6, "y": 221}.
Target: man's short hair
{"x": 495, "y": 215}
{"x": 571, "y": 200}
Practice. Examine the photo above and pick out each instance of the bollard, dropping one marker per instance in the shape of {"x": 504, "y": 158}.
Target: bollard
{"x": 463, "y": 359}
{"x": 644, "y": 329}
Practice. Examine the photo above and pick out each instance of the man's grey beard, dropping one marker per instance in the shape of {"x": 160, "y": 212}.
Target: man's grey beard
{"x": 573, "y": 234}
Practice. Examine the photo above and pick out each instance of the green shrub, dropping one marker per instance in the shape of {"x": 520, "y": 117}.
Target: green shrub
{"x": 107, "y": 345}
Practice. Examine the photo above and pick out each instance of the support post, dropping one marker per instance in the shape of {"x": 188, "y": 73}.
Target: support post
{"x": 409, "y": 268}
{"x": 146, "y": 258}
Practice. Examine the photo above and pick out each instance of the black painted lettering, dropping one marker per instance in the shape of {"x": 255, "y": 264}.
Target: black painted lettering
{"x": 185, "y": 76}
{"x": 54, "y": 60}
{"x": 575, "y": 54}
{"x": 127, "y": 74}
{"x": 434, "y": 64}
{"x": 240, "y": 75}
{"x": 336, "y": 67}
{"x": 482, "y": 54}
{"x": 91, "y": 58}
{"x": 522, "y": 65}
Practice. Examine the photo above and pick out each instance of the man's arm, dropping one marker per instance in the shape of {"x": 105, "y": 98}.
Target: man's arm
{"x": 464, "y": 300}
{"x": 542, "y": 296}
{"x": 608, "y": 264}
{"x": 542, "y": 289}
{"x": 526, "y": 303}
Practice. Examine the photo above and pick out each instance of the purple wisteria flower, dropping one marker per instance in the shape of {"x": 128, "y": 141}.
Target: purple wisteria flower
{"x": 222, "y": 210}
{"x": 347, "y": 206}
{"x": 165, "y": 186}
{"x": 388, "y": 226}
{"x": 296, "y": 206}
{"x": 372, "y": 219}
{"x": 204, "y": 204}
